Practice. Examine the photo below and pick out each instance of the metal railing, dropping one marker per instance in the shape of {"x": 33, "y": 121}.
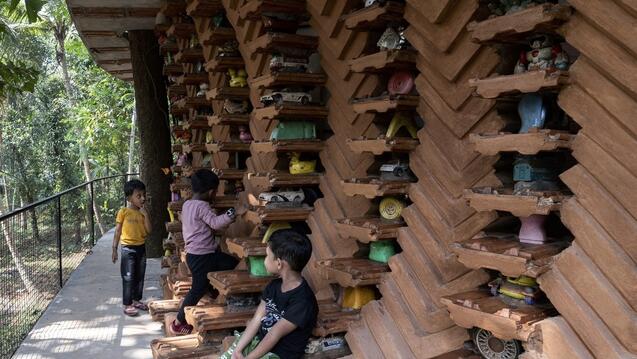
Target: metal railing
{"x": 41, "y": 245}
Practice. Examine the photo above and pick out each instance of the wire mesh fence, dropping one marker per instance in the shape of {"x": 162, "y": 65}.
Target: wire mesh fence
{"x": 42, "y": 244}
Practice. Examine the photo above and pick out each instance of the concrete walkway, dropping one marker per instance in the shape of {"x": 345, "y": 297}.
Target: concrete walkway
{"x": 85, "y": 319}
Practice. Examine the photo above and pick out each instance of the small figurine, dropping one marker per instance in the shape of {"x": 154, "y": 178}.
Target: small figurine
{"x": 381, "y": 251}
{"x": 244, "y": 134}
{"x": 228, "y": 49}
{"x": 203, "y": 87}
{"x": 506, "y": 7}
{"x": 182, "y": 160}
{"x": 238, "y": 78}
{"x": 532, "y": 112}
{"x": 532, "y": 230}
{"x": 209, "y": 137}
{"x": 299, "y": 167}
{"x": 542, "y": 56}
{"x": 369, "y": 3}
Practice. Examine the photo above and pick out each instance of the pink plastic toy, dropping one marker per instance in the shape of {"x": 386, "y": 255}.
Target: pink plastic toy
{"x": 532, "y": 230}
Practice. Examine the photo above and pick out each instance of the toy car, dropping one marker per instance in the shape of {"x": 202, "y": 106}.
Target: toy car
{"x": 287, "y": 64}
{"x": 295, "y": 197}
{"x": 392, "y": 39}
{"x": 286, "y": 95}
{"x": 396, "y": 171}
{"x": 235, "y": 107}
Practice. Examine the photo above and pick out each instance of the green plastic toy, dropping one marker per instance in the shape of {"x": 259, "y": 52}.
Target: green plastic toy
{"x": 257, "y": 266}
{"x": 292, "y": 130}
{"x": 380, "y": 251}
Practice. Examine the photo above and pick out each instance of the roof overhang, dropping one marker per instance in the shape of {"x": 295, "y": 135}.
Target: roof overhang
{"x": 101, "y": 24}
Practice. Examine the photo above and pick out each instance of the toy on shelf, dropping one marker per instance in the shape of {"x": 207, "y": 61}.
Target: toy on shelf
{"x": 273, "y": 227}
{"x": 544, "y": 55}
{"x": 325, "y": 345}
{"x": 244, "y": 134}
{"x": 291, "y": 95}
{"x": 533, "y": 174}
{"x": 294, "y": 130}
{"x": 229, "y": 49}
{"x": 203, "y": 87}
{"x": 282, "y": 198}
{"x": 532, "y": 230}
{"x": 299, "y": 167}
{"x": 381, "y": 251}
{"x": 491, "y": 347}
{"x": 507, "y": 7}
{"x": 238, "y": 78}
{"x": 257, "y": 266}
{"x": 392, "y": 39}
{"x": 357, "y": 297}
{"x": 398, "y": 121}
{"x": 396, "y": 171}
{"x": 516, "y": 291}
{"x": 400, "y": 83}
{"x": 235, "y": 107}
{"x": 532, "y": 111}
{"x": 391, "y": 207}
{"x": 282, "y": 63}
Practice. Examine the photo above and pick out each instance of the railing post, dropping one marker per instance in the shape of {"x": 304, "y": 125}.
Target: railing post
{"x": 92, "y": 204}
{"x": 59, "y": 230}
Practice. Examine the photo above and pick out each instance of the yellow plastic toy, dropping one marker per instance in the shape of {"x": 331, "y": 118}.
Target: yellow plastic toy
{"x": 298, "y": 167}
{"x": 357, "y": 297}
{"x": 397, "y": 122}
{"x": 171, "y": 215}
{"x": 238, "y": 78}
{"x": 391, "y": 207}
{"x": 209, "y": 137}
{"x": 168, "y": 253}
{"x": 275, "y": 226}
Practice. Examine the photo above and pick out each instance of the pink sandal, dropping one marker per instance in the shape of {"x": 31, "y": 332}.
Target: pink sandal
{"x": 131, "y": 311}
{"x": 140, "y": 306}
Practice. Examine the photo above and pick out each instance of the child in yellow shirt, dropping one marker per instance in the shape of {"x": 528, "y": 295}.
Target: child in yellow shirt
{"x": 133, "y": 225}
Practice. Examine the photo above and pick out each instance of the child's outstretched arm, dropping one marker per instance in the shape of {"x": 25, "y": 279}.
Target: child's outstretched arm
{"x": 282, "y": 328}
{"x": 251, "y": 330}
{"x": 118, "y": 233}
{"x": 214, "y": 221}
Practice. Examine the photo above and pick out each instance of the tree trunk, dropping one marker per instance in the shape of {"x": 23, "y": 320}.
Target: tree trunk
{"x": 131, "y": 143}
{"x": 28, "y": 193}
{"x": 154, "y": 131}
{"x": 59, "y": 32}
{"x": 15, "y": 256}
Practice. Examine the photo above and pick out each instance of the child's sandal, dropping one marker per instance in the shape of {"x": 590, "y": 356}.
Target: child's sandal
{"x": 130, "y": 311}
{"x": 141, "y": 306}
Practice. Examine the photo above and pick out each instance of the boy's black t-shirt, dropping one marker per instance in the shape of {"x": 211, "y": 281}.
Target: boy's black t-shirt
{"x": 299, "y": 307}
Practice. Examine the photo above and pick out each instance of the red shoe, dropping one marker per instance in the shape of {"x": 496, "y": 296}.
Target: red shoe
{"x": 180, "y": 329}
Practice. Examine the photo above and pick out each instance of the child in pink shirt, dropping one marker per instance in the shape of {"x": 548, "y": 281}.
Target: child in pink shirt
{"x": 202, "y": 255}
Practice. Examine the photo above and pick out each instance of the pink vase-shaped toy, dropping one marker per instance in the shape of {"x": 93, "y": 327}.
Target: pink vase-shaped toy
{"x": 532, "y": 230}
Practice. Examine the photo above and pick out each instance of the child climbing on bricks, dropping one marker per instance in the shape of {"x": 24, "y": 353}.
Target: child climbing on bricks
{"x": 202, "y": 255}
{"x": 287, "y": 313}
{"x": 133, "y": 225}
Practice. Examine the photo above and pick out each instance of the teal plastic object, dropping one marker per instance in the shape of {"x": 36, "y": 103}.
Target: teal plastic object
{"x": 257, "y": 266}
{"x": 527, "y": 168}
{"x": 380, "y": 251}
{"x": 532, "y": 112}
{"x": 293, "y": 130}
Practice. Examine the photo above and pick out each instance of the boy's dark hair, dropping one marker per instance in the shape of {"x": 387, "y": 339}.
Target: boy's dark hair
{"x": 132, "y": 185}
{"x": 204, "y": 180}
{"x": 292, "y": 247}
